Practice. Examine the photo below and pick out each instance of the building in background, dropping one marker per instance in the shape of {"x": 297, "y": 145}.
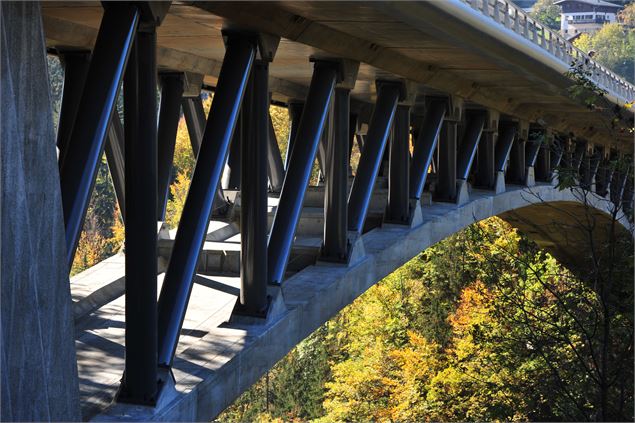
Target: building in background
{"x": 585, "y": 16}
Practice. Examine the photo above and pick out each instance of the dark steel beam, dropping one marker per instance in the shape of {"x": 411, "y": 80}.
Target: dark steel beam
{"x": 253, "y": 195}
{"x": 578, "y": 154}
{"x": 486, "y": 160}
{"x": 172, "y": 85}
{"x": 516, "y": 170}
{"x": 471, "y": 138}
{"x": 303, "y": 152}
{"x": 231, "y": 172}
{"x": 75, "y": 63}
{"x": 446, "y": 173}
{"x": 335, "y": 243}
{"x": 139, "y": 382}
{"x": 504, "y": 145}
{"x": 116, "y": 160}
{"x": 195, "y": 122}
{"x": 425, "y": 146}
{"x": 295, "y": 113}
{"x": 78, "y": 167}
{"x": 531, "y": 152}
{"x": 275, "y": 168}
{"x": 543, "y": 163}
{"x": 370, "y": 160}
{"x": 398, "y": 210}
{"x": 190, "y": 236}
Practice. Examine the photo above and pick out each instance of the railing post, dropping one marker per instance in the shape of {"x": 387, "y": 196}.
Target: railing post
{"x": 398, "y": 210}
{"x": 169, "y": 115}
{"x": 298, "y": 173}
{"x": 370, "y": 160}
{"x": 78, "y": 167}
{"x": 335, "y": 242}
{"x": 190, "y": 236}
{"x": 253, "y": 195}
{"x": 140, "y": 382}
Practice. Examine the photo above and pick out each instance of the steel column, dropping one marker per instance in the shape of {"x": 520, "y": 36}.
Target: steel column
{"x": 253, "y": 194}
{"x": 531, "y": 152}
{"x": 139, "y": 383}
{"x": 295, "y": 113}
{"x": 370, "y": 160}
{"x": 543, "y": 164}
{"x": 275, "y": 168}
{"x": 190, "y": 236}
{"x": 578, "y": 154}
{"x": 486, "y": 160}
{"x": 116, "y": 160}
{"x": 75, "y": 69}
{"x": 446, "y": 174}
{"x": 303, "y": 152}
{"x": 172, "y": 85}
{"x": 78, "y": 167}
{"x": 504, "y": 145}
{"x": 231, "y": 173}
{"x": 195, "y": 122}
{"x": 398, "y": 210}
{"x": 516, "y": 171}
{"x": 469, "y": 145}
{"x": 335, "y": 243}
{"x": 425, "y": 145}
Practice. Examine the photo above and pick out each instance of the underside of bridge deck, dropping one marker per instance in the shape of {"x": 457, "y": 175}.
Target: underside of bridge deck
{"x": 461, "y": 110}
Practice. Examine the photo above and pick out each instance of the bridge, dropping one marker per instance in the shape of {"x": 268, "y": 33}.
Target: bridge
{"x": 462, "y": 110}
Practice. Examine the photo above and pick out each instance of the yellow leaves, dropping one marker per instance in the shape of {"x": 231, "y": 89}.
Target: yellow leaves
{"x": 179, "y": 191}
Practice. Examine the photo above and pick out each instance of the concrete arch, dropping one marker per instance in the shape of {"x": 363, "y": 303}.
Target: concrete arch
{"x": 229, "y": 358}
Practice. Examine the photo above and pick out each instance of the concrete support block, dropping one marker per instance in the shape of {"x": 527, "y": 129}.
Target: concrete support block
{"x": 499, "y": 185}
{"x": 39, "y": 367}
{"x": 462, "y": 192}
{"x": 530, "y": 177}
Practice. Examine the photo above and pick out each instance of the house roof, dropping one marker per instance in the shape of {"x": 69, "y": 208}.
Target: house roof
{"x": 592, "y": 2}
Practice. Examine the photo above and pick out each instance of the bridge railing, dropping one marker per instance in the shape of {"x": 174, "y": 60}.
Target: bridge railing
{"x": 505, "y": 13}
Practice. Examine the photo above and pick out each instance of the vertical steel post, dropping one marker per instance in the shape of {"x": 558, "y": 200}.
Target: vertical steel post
{"x": 578, "y": 154}
{"x": 504, "y": 145}
{"x": 486, "y": 161}
{"x": 195, "y": 122}
{"x": 116, "y": 161}
{"x": 139, "y": 383}
{"x": 425, "y": 145}
{"x": 190, "y": 236}
{"x": 231, "y": 174}
{"x": 295, "y": 113}
{"x": 398, "y": 210}
{"x": 446, "y": 174}
{"x": 275, "y": 168}
{"x": 169, "y": 115}
{"x": 370, "y": 160}
{"x": 531, "y": 152}
{"x": 516, "y": 171}
{"x": 298, "y": 173}
{"x": 335, "y": 243}
{"x": 78, "y": 167}
{"x": 471, "y": 139}
{"x": 543, "y": 164}
{"x": 75, "y": 69}
{"x": 253, "y": 194}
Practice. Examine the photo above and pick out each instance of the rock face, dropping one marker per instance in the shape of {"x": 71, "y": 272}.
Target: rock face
{"x": 39, "y": 368}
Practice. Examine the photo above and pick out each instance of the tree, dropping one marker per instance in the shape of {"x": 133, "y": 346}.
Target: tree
{"x": 627, "y": 15}
{"x": 547, "y": 12}
{"x": 614, "y": 47}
